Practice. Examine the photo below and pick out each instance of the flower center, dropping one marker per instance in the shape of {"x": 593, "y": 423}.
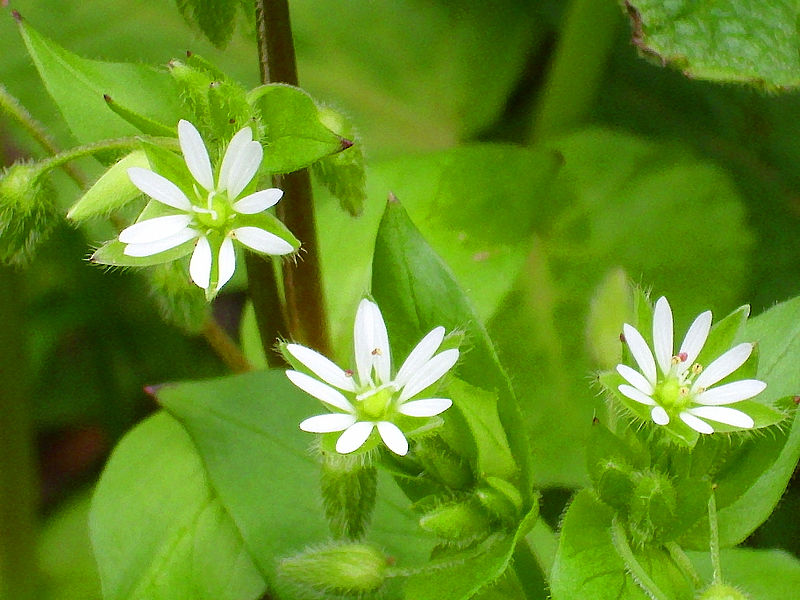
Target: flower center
{"x": 674, "y": 393}
{"x": 375, "y": 403}
{"x": 217, "y": 213}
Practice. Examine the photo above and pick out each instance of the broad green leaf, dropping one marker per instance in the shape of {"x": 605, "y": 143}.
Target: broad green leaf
{"x": 158, "y": 529}
{"x": 417, "y": 292}
{"x": 216, "y": 18}
{"x": 761, "y": 574}
{"x": 743, "y": 41}
{"x": 294, "y": 136}
{"x": 587, "y": 564}
{"x": 755, "y": 474}
{"x": 460, "y": 576}
{"x": 257, "y": 459}
{"x": 78, "y": 85}
{"x": 112, "y": 191}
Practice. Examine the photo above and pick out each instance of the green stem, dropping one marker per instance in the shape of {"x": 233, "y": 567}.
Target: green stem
{"x": 19, "y": 487}
{"x": 587, "y": 36}
{"x": 679, "y": 557}
{"x": 713, "y": 538}
{"x": 37, "y": 131}
{"x": 302, "y": 281}
{"x": 126, "y": 143}
{"x": 633, "y": 566}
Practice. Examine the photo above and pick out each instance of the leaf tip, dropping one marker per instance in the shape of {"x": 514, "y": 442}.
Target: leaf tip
{"x": 393, "y": 199}
{"x": 108, "y": 99}
{"x": 14, "y": 13}
{"x": 345, "y": 143}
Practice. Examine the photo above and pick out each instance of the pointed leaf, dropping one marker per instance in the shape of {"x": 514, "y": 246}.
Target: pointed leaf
{"x": 112, "y": 191}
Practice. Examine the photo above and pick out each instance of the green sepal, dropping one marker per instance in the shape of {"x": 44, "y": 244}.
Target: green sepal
{"x": 465, "y": 521}
{"x": 113, "y": 253}
{"x": 171, "y": 166}
{"x": 293, "y": 135}
{"x": 112, "y": 191}
{"x": 501, "y": 499}
{"x": 143, "y": 123}
{"x": 722, "y": 335}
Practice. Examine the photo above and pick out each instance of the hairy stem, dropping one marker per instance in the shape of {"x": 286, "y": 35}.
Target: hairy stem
{"x": 225, "y": 347}
{"x": 632, "y": 565}
{"x": 302, "y": 281}
{"x": 37, "y": 131}
{"x": 19, "y": 488}
{"x": 586, "y": 39}
{"x": 713, "y": 538}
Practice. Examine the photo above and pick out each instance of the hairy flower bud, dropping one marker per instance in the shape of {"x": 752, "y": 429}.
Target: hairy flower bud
{"x": 27, "y": 212}
{"x": 721, "y": 591}
{"x": 333, "y": 570}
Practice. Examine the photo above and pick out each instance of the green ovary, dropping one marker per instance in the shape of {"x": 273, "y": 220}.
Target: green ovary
{"x": 218, "y": 215}
{"x": 374, "y": 407}
{"x": 672, "y": 396}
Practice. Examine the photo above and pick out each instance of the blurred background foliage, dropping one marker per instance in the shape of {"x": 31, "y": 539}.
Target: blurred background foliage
{"x": 686, "y": 186}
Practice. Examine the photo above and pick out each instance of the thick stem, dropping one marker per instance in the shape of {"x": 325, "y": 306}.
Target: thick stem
{"x": 302, "y": 281}
{"x": 18, "y": 474}
{"x": 37, "y": 131}
{"x": 587, "y": 36}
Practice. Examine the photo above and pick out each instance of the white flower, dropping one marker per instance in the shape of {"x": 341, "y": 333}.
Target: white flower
{"x": 210, "y": 215}
{"x": 674, "y": 385}
{"x": 372, "y": 397}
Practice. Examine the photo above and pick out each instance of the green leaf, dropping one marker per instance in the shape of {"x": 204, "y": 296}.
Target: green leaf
{"x": 294, "y": 135}
{"x": 112, "y": 191}
{"x": 158, "y": 529}
{"x": 756, "y": 472}
{"x": 417, "y": 292}
{"x": 245, "y": 430}
{"x": 761, "y": 574}
{"x": 587, "y": 564}
{"x": 460, "y": 576}
{"x": 743, "y": 41}
{"x": 78, "y": 85}
{"x": 216, "y": 18}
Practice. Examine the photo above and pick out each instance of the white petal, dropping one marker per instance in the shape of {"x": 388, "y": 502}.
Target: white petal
{"x": 354, "y": 437}
{"x": 320, "y": 391}
{"x": 662, "y": 334}
{"x": 636, "y": 395}
{"x": 184, "y": 235}
{"x": 696, "y": 424}
{"x": 723, "y": 366}
{"x": 421, "y": 354}
{"x": 429, "y": 374}
{"x": 659, "y": 415}
{"x": 155, "y": 229}
{"x": 322, "y": 367}
{"x": 258, "y": 201}
{"x": 259, "y": 240}
{"x": 200, "y": 264}
{"x": 227, "y": 262}
{"x": 195, "y": 154}
{"x": 393, "y": 437}
{"x": 696, "y": 337}
{"x": 729, "y": 393}
{"x": 641, "y": 352}
{"x": 327, "y": 423}
{"x": 428, "y": 407}
{"x": 159, "y": 188}
{"x": 723, "y": 414}
{"x": 371, "y": 343}
{"x": 241, "y": 161}
{"x": 636, "y": 379}
{"x": 238, "y": 143}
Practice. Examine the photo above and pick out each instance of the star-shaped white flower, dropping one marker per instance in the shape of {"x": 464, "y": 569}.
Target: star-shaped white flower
{"x": 372, "y": 397}
{"x": 674, "y": 385}
{"x": 211, "y": 214}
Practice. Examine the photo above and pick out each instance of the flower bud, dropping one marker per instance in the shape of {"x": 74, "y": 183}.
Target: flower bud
{"x": 336, "y": 569}
{"x": 27, "y": 212}
{"x": 653, "y": 507}
{"x": 501, "y": 498}
{"x": 464, "y": 521}
{"x": 615, "y": 484}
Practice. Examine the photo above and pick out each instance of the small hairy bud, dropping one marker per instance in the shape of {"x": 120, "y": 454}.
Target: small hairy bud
{"x": 653, "y": 507}
{"x": 27, "y": 212}
{"x": 333, "y": 570}
{"x": 464, "y": 521}
{"x": 348, "y": 490}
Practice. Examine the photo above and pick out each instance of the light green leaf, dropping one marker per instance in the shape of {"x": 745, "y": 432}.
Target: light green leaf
{"x": 587, "y": 564}
{"x": 78, "y": 85}
{"x": 158, "y": 529}
{"x": 112, "y": 191}
{"x": 761, "y": 574}
{"x": 744, "y": 41}
{"x": 294, "y": 136}
{"x": 417, "y": 292}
